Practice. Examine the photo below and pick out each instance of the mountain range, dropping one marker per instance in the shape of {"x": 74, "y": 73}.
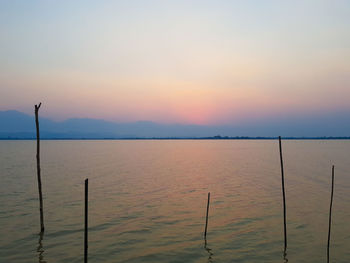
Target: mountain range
{"x": 15, "y": 124}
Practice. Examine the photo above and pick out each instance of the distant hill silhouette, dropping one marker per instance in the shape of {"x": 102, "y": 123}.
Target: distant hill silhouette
{"x": 15, "y": 124}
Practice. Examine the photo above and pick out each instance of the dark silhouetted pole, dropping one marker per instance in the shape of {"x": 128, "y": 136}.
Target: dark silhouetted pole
{"x": 330, "y": 215}
{"x": 284, "y": 197}
{"x": 42, "y": 228}
{"x": 86, "y": 223}
{"x": 206, "y": 219}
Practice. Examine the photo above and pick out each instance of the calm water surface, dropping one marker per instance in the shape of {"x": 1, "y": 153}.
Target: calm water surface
{"x": 147, "y": 201}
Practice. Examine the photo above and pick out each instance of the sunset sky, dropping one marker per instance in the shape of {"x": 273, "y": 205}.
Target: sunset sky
{"x": 198, "y": 62}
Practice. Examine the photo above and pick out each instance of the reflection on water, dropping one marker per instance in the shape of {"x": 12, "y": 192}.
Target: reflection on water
{"x": 285, "y": 256}
{"x": 147, "y": 201}
{"x": 209, "y": 250}
{"x": 40, "y": 250}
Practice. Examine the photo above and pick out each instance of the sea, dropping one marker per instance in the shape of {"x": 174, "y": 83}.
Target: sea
{"x": 148, "y": 199}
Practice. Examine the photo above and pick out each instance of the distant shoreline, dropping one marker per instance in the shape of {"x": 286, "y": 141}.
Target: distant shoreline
{"x": 177, "y": 138}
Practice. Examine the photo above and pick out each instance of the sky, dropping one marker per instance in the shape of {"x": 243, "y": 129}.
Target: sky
{"x": 183, "y": 61}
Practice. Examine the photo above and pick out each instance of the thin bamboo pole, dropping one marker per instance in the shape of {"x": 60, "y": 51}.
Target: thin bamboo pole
{"x": 206, "y": 218}
{"x": 42, "y": 228}
{"x": 284, "y": 196}
{"x": 330, "y": 215}
{"x": 86, "y": 222}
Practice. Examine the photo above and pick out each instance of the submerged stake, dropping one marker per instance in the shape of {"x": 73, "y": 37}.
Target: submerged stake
{"x": 42, "y": 228}
{"x": 330, "y": 215}
{"x": 206, "y": 219}
{"x": 86, "y": 223}
{"x": 284, "y": 197}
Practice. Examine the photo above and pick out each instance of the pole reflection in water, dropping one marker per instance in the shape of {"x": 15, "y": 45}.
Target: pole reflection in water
{"x": 285, "y": 256}
{"x": 210, "y": 254}
{"x": 40, "y": 248}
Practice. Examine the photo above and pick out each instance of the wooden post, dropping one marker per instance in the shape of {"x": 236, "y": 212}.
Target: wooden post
{"x": 206, "y": 219}
{"x": 86, "y": 223}
{"x": 284, "y": 197}
{"x": 330, "y": 215}
{"x": 42, "y": 228}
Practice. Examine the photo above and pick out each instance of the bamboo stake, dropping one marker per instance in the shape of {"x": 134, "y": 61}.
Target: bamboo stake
{"x": 206, "y": 219}
{"x": 330, "y": 215}
{"x": 42, "y": 228}
{"x": 86, "y": 223}
{"x": 284, "y": 197}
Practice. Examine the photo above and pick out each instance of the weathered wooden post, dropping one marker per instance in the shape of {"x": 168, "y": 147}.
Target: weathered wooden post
{"x": 330, "y": 215}
{"x": 206, "y": 219}
{"x": 42, "y": 228}
{"x": 284, "y": 197}
{"x": 86, "y": 223}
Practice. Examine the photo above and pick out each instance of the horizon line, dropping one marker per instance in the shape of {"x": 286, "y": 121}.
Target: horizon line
{"x": 218, "y": 137}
